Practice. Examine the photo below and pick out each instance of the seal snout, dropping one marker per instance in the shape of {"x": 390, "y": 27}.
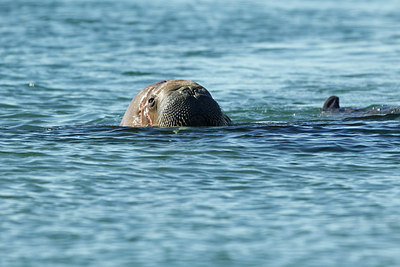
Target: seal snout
{"x": 190, "y": 91}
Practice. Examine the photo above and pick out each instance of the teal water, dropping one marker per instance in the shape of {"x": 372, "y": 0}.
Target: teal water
{"x": 285, "y": 186}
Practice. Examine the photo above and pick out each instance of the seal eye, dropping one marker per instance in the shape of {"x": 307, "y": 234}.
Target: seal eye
{"x": 151, "y": 101}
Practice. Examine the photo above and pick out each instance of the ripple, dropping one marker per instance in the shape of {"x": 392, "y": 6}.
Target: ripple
{"x": 77, "y": 189}
{"x": 137, "y": 73}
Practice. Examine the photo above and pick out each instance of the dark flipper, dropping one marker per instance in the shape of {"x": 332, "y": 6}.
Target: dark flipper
{"x": 331, "y": 103}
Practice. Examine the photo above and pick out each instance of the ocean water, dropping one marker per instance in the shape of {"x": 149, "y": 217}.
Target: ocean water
{"x": 286, "y": 185}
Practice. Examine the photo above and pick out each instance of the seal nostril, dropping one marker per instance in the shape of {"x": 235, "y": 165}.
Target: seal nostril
{"x": 187, "y": 91}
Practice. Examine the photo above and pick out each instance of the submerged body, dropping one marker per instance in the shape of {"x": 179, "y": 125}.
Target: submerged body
{"x": 174, "y": 103}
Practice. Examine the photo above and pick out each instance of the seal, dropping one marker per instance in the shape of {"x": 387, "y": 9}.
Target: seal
{"x": 174, "y": 103}
{"x": 331, "y": 105}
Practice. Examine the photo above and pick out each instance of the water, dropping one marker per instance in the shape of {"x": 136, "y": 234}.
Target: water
{"x": 285, "y": 186}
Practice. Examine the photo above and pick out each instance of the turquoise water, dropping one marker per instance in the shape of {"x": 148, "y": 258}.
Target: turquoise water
{"x": 285, "y": 186}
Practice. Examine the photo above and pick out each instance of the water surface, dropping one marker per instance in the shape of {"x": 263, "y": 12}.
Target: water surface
{"x": 286, "y": 185}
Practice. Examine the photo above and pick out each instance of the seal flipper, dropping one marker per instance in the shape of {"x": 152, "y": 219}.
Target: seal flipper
{"x": 331, "y": 103}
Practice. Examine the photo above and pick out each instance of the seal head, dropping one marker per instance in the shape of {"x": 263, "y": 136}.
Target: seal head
{"x": 174, "y": 103}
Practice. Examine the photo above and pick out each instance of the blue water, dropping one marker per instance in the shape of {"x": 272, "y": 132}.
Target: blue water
{"x": 286, "y": 185}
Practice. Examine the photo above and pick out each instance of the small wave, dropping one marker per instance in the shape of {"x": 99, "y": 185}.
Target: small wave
{"x": 136, "y": 73}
